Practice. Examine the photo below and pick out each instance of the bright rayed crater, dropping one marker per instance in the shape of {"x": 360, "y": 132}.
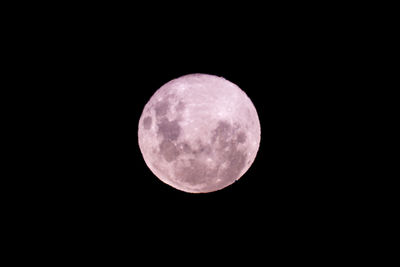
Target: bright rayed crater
{"x": 199, "y": 133}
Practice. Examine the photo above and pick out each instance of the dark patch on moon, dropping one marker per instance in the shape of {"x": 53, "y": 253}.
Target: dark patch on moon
{"x": 196, "y": 173}
{"x": 201, "y": 148}
{"x": 180, "y": 106}
{"x": 162, "y": 108}
{"x": 223, "y": 129}
{"x": 236, "y": 161}
{"x": 241, "y": 137}
{"x": 168, "y": 150}
{"x": 170, "y": 130}
{"x": 227, "y": 146}
{"x": 222, "y": 133}
{"x": 185, "y": 148}
{"x": 147, "y": 122}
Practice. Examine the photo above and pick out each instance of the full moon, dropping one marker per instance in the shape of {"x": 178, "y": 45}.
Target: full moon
{"x": 199, "y": 133}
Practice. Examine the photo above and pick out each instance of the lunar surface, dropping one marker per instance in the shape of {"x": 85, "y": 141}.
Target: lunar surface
{"x": 199, "y": 133}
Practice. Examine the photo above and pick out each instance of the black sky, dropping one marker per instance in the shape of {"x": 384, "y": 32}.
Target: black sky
{"x": 101, "y": 71}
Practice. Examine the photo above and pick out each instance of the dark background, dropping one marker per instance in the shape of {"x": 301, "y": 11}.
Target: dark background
{"x": 287, "y": 72}
{"x": 96, "y": 70}
{"x": 291, "y": 82}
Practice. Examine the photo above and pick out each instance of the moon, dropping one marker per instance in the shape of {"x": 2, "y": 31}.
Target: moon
{"x": 199, "y": 133}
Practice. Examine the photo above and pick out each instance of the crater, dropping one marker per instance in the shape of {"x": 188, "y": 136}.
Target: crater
{"x": 147, "y": 122}
{"x": 170, "y": 130}
{"x": 168, "y": 150}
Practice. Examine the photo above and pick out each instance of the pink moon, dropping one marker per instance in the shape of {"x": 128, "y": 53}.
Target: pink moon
{"x": 199, "y": 133}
